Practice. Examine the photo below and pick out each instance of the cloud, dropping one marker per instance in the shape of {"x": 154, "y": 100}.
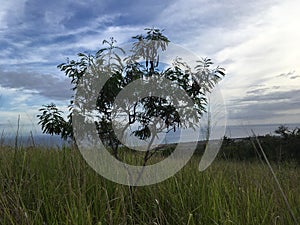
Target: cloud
{"x": 258, "y": 91}
{"x": 291, "y": 75}
{"x": 268, "y": 107}
{"x": 294, "y": 77}
{"x": 273, "y": 96}
{"x": 207, "y": 27}
{"x": 47, "y": 85}
{"x": 269, "y": 45}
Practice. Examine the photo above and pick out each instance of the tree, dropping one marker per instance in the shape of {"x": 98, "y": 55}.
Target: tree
{"x": 52, "y": 121}
{"x": 146, "y": 115}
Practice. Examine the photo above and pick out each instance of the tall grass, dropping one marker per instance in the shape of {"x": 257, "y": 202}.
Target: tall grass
{"x": 50, "y": 186}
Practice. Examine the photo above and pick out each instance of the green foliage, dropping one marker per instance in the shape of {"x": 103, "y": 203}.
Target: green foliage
{"x": 52, "y": 121}
{"x": 76, "y": 69}
{"x": 286, "y": 133}
{"x": 285, "y": 147}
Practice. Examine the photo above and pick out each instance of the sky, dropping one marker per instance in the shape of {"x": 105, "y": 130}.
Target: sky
{"x": 256, "y": 41}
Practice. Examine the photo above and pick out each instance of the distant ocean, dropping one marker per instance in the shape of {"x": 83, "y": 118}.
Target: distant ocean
{"x": 232, "y": 131}
{"x": 236, "y": 131}
{"x": 35, "y": 140}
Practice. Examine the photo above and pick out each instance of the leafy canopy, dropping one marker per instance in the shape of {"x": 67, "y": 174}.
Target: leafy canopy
{"x": 149, "y": 115}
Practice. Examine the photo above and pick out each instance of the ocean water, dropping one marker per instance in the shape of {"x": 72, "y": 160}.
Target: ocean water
{"x": 35, "y": 140}
{"x": 239, "y": 131}
{"x": 236, "y": 131}
{"x": 189, "y": 135}
{"x": 231, "y": 131}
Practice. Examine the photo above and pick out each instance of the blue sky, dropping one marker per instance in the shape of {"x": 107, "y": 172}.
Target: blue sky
{"x": 257, "y": 42}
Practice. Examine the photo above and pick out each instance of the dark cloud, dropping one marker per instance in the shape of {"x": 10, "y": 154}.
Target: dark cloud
{"x": 250, "y": 113}
{"x": 265, "y": 106}
{"x": 276, "y": 87}
{"x": 291, "y": 75}
{"x": 47, "y": 85}
{"x": 286, "y": 74}
{"x": 294, "y": 77}
{"x": 291, "y": 95}
{"x": 258, "y": 91}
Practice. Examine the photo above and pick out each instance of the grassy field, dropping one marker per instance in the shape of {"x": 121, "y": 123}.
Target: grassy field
{"x": 39, "y": 186}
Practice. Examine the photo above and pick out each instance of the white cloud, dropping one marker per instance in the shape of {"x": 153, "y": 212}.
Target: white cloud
{"x": 270, "y": 49}
{"x": 7, "y": 8}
